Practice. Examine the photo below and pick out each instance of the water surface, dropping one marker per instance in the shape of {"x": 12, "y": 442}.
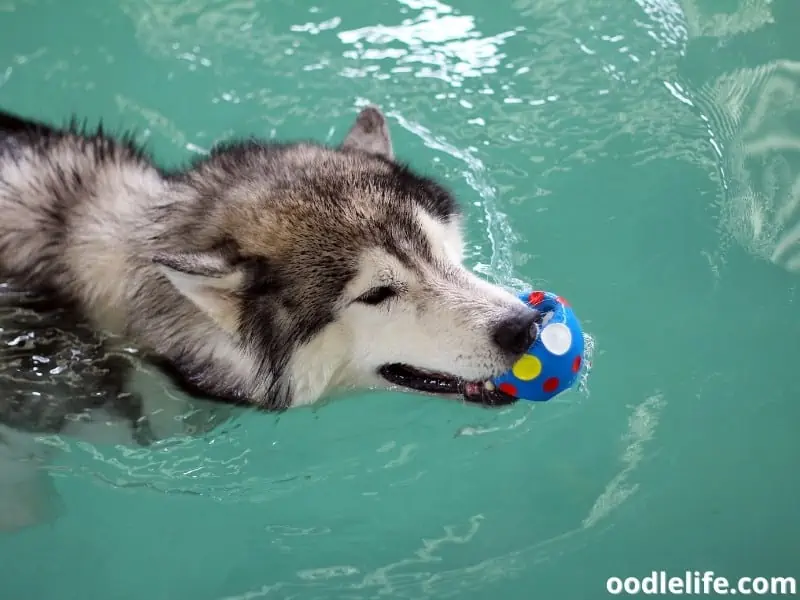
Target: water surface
{"x": 639, "y": 157}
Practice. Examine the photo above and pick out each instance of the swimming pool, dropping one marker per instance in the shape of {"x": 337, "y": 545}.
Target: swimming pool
{"x": 641, "y": 158}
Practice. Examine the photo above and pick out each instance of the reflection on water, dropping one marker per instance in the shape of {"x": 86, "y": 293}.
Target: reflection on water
{"x": 667, "y": 22}
{"x": 46, "y": 371}
{"x": 755, "y": 112}
{"x": 54, "y": 372}
{"x": 437, "y": 43}
{"x": 752, "y": 116}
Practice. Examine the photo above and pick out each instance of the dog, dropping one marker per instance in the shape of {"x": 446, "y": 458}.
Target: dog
{"x": 270, "y": 275}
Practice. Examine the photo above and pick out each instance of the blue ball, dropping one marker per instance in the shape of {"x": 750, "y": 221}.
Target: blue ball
{"x": 554, "y": 361}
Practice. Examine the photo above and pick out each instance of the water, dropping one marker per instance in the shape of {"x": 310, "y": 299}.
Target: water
{"x": 639, "y": 157}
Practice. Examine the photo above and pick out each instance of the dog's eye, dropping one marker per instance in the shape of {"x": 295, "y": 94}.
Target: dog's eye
{"x": 377, "y": 295}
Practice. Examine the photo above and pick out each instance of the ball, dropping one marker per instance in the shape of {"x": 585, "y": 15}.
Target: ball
{"x": 553, "y": 362}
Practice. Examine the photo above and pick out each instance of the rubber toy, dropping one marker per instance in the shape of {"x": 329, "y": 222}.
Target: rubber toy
{"x": 553, "y": 362}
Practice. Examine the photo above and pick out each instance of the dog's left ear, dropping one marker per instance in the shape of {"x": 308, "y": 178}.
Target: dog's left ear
{"x": 205, "y": 278}
{"x": 370, "y": 133}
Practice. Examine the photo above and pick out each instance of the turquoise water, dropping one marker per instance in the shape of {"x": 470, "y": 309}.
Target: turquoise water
{"x": 642, "y": 158}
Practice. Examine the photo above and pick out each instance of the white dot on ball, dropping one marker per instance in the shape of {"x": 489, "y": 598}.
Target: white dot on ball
{"x": 556, "y": 338}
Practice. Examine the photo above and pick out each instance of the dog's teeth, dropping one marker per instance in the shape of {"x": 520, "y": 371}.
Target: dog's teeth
{"x": 472, "y": 389}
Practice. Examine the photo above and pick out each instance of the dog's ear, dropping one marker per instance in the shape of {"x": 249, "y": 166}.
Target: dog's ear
{"x": 370, "y": 133}
{"x": 205, "y": 278}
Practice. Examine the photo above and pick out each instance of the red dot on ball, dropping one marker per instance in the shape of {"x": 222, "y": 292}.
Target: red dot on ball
{"x": 550, "y": 385}
{"x": 508, "y": 388}
{"x": 564, "y": 302}
{"x": 535, "y": 298}
{"x": 576, "y": 364}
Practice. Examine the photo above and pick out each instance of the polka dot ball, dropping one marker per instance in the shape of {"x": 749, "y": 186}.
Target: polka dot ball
{"x": 552, "y": 364}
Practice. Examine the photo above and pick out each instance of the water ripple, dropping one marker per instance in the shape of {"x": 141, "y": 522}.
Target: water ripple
{"x": 424, "y": 573}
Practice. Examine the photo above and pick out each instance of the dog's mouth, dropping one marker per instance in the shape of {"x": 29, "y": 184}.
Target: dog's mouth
{"x": 430, "y": 382}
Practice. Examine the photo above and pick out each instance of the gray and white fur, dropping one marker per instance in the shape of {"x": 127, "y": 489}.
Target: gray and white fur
{"x": 265, "y": 274}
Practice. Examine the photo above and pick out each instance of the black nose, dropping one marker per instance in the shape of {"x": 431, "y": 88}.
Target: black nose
{"x": 515, "y": 334}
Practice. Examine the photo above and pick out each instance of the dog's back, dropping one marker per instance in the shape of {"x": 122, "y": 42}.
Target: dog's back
{"x": 83, "y": 216}
{"x": 69, "y": 201}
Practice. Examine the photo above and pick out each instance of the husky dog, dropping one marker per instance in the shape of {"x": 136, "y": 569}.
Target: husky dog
{"x": 263, "y": 274}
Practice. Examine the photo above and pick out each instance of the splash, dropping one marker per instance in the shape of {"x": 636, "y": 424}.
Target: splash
{"x": 499, "y": 232}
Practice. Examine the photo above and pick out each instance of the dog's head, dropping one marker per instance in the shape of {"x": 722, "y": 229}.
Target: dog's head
{"x": 340, "y": 268}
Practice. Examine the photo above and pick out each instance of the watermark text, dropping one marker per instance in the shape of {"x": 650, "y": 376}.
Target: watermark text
{"x": 701, "y": 583}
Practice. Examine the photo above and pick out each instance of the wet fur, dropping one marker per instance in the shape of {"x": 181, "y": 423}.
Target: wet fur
{"x": 231, "y": 267}
{"x": 240, "y": 275}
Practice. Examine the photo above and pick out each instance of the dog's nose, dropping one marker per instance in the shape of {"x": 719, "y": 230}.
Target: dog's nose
{"x": 515, "y": 334}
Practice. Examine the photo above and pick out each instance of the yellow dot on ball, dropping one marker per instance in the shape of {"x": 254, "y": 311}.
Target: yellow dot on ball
{"x": 526, "y": 368}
